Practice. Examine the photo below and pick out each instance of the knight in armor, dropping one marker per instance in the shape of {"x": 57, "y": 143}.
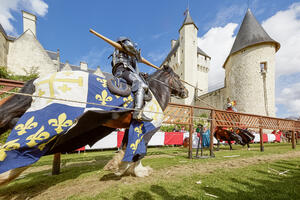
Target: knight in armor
{"x": 124, "y": 65}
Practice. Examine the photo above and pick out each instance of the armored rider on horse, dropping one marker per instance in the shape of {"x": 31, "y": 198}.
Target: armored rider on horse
{"x": 124, "y": 65}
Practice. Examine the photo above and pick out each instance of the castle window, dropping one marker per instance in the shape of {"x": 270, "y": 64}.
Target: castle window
{"x": 263, "y": 67}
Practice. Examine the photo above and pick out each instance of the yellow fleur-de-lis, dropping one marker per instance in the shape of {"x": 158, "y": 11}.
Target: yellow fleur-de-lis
{"x": 103, "y": 81}
{"x": 42, "y": 146}
{"x": 139, "y": 129}
{"x": 30, "y": 124}
{"x": 127, "y": 101}
{"x": 103, "y": 97}
{"x": 60, "y": 122}
{"x": 134, "y": 146}
{"x": 9, "y": 146}
{"x": 38, "y": 136}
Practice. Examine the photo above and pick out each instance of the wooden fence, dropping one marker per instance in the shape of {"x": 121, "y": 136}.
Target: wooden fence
{"x": 184, "y": 115}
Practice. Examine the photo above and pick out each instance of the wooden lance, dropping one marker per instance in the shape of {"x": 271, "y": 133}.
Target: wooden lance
{"x": 118, "y": 46}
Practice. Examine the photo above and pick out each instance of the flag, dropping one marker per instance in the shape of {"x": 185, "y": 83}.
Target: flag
{"x": 74, "y": 96}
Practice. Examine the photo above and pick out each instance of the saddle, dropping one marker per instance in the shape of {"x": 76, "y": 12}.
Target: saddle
{"x": 119, "y": 86}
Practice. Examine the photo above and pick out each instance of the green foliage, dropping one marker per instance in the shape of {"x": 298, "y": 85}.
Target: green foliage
{"x": 4, "y": 136}
{"x": 30, "y": 74}
{"x": 167, "y": 128}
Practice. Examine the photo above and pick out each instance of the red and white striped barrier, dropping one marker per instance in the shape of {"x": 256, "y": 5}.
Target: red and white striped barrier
{"x": 114, "y": 140}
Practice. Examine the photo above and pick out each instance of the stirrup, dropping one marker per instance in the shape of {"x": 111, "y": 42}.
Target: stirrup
{"x": 139, "y": 115}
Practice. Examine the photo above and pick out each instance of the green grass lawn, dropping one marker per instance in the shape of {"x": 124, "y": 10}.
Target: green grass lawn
{"x": 82, "y": 176}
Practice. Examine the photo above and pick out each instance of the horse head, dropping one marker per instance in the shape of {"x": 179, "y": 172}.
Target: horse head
{"x": 175, "y": 84}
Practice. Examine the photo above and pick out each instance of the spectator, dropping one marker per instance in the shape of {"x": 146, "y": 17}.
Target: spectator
{"x": 182, "y": 129}
{"x": 206, "y": 136}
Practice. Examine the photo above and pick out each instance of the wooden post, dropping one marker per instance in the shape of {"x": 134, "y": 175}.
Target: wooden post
{"x": 261, "y": 139}
{"x": 56, "y": 164}
{"x": 293, "y": 140}
{"x": 191, "y": 127}
{"x": 212, "y": 128}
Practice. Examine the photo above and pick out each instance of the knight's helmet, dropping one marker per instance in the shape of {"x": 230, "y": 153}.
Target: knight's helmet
{"x": 129, "y": 46}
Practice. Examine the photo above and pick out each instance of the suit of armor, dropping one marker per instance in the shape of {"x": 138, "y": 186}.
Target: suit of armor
{"x": 125, "y": 66}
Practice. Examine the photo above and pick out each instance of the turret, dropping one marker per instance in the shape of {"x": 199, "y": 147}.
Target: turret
{"x": 250, "y": 69}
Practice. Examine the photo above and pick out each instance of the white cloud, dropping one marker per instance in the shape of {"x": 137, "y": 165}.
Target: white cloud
{"x": 217, "y": 43}
{"x": 290, "y": 97}
{"x": 284, "y": 27}
{"x": 38, "y": 7}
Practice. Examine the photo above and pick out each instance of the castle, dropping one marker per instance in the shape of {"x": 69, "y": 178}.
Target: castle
{"x": 249, "y": 67}
{"x": 25, "y": 54}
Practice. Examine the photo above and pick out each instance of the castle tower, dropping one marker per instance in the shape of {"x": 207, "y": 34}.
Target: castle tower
{"x": 188, "y": 49}
{"x": 250, "y": 69}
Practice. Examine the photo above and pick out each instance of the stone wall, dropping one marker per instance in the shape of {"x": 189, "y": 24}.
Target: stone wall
{"x": 215, "y": 98}
{"x": 3, "y": 50}
{"x": 26, "y": 53}
{"x": 245, "y": 82}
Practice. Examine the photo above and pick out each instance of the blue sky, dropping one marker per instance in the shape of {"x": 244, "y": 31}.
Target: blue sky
{"x": 152, "y": 24}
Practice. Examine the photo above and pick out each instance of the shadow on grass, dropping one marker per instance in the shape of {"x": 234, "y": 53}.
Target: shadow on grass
{"x": 109, "y": 177}
{"x": 161, "y": 191}
{"x": 266, "y": 185}
{"x": 36, "y": 183}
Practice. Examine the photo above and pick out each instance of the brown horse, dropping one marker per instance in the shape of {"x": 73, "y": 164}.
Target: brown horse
{"x": 227, "y": 135}
{"x": 163, "y": 83}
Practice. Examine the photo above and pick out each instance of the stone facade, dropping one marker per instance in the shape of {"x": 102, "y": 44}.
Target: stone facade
{"x": 249, "y": 72}
{"x": 3, "y": 49}
{"x": 250, "y": 86}
{"x": 189, "y": 61}
{"x": 216, "y": 99}
{"x": 26, "y": 53}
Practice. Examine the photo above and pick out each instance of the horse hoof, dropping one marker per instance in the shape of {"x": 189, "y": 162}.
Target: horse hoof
{"x": 123, "y": 168}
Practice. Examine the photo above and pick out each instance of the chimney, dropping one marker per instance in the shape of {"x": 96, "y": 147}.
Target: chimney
{"x": 29, "y": 22}
{"x": 173, "y": 42}
{"x": 83, "y": 66}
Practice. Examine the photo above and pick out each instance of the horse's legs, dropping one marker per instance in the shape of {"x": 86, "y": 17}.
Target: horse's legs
{"x": 10, "y": 175}
{"x": 229, "y": 142}
{"x": 115, "y": 162}
{"x": 139, "y": 170}
{"x": 218, "y": 145}
{"x": 248, "y": 145}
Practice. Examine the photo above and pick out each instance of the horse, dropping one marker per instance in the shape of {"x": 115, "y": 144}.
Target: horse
{"x": 162, "y": 83}
{"x": 246, "y": 135}
{"x": 240, "y": 136}
{"x": 227, "y": 135}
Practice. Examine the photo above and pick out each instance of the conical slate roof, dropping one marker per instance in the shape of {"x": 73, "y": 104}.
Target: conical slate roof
{"x": 250, "y": 33}
{"x": 188, "y": 19}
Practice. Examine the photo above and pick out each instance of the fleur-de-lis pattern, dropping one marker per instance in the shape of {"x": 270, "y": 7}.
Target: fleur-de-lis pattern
{"x": 11, "y": 145}
{"x": 127, "y": 101}
{"x": 22, "y": 128}
{"x": 103, "y": 81}
{"x": 60, "y": 122}
{"x": 40, "y": 135}
{"x": 42, "y": 146}
{"x": 134, "y": 146}
{"x": 139, "y": 129}
{"x": 103, "y": 97}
